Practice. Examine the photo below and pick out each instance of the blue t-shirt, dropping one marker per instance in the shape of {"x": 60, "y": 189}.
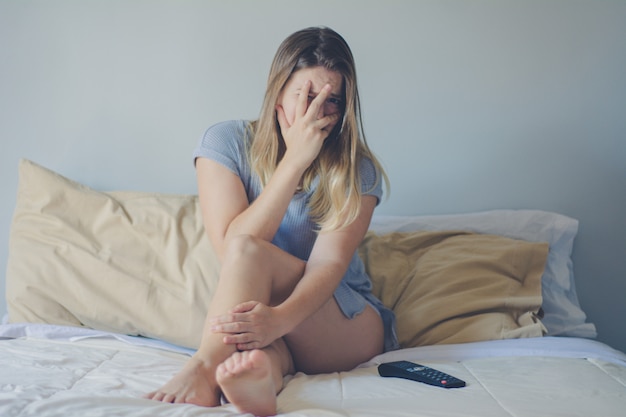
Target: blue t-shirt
{"x": 225, "y": 143}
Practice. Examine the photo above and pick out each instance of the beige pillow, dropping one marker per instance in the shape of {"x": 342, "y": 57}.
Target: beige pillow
{"x": 141, "y": 264}
{"x": 128, "y": 262}
{"x": 457, "y": 287}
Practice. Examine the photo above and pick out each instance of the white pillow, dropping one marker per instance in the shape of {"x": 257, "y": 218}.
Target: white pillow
{"x": 563, "y": 315}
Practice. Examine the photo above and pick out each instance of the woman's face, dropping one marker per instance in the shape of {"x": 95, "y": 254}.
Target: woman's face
{"x": 319, "y": 77}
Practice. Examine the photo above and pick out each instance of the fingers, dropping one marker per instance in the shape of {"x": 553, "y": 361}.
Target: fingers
{"x": 302, "y": 104}
{"x": 309, "y": 113}
{"x": 244, "y": 307}
{"x": 247, "y": 325}
{"x": 244, "y": 341}
{"x": 236, "y": 314}
{"x": 313, "y": 112}
{"x": 231, "y": 328}
{"x": 328, "y": 122}
{"x": 316, "y": 116}
{"x": 228, "y": 318}
{"x": 240, "y": 319}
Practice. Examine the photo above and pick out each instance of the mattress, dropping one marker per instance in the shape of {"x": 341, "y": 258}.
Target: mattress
{"x": 65, "y": 371}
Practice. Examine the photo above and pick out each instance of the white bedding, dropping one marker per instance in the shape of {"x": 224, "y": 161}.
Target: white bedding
{"x": 79, "y": 256}
{"x": 59, "y": 371}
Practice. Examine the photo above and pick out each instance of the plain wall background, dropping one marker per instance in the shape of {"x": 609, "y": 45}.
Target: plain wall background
{"x": 471, "y": 105}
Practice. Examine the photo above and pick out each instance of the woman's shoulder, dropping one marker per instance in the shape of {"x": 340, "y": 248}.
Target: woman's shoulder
{"x": 371, "y": 177}
{"x": 367, "y": 169}
{"x": 225, "y": 134}
{"x": 228, "y": 127}
{"x": 224, "y": 140}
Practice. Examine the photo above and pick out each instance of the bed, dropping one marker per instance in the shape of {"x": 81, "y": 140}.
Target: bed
{"x": 106, "y": 294}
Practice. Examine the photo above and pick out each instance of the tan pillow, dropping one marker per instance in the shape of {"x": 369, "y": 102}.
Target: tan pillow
{"x": 128, "y": 262}
{"x": 141, "y": 264}
{"x": 457, "y": 287}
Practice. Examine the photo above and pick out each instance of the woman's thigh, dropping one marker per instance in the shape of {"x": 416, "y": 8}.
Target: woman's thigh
{"x": 328, "y": 341}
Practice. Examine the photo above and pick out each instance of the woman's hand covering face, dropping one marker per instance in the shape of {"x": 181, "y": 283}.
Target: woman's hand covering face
{"x": 308, "y": 112}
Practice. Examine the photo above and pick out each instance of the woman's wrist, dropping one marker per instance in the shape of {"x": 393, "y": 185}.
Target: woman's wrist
{"x": 287, "y": 319}
{"x": 292, "y": 167}
{"x": 291, "y": 173}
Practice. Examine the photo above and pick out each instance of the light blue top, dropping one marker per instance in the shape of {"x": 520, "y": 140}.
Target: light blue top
{"x": 225, "y": 144}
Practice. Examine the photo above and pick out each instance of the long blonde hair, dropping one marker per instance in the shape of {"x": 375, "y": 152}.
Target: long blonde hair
{"x": 336, "y": 201}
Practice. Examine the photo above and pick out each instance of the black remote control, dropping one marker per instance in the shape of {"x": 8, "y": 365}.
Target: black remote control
{"x": 421, "y": 373}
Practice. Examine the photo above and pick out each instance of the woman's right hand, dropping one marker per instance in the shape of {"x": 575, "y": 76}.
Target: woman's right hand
{"x": 249, "y": 325}
{"x": 305, "y": 136}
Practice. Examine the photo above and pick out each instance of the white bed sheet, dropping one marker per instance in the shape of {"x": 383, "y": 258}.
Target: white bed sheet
{"x": 72, "y": 373}
{"x": 69, "y": 333}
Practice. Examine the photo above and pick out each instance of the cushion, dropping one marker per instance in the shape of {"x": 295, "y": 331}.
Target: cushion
{"x": 140, "y": 264}
{"x": 563, "y": 315}
{"x": 457, "y": 287}
{"x": 127, "y": 262}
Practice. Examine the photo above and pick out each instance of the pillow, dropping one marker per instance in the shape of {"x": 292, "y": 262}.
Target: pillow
{"x": 563, "y": 315}
{"x": 457, "y": 287}
{"x": 127, "y": 262}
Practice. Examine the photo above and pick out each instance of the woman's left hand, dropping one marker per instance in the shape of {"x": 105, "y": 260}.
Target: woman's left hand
{"x": 249, "y": 325}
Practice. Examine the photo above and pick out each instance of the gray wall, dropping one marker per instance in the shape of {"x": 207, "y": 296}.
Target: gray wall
{"x": 471, "y": 105}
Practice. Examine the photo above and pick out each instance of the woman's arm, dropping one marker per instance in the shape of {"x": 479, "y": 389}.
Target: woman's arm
{"x": 225, "y": 208}
{"x": 325, "y": 268}
{"x": 253, "y": 325}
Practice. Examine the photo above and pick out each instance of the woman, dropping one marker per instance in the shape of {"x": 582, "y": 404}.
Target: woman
{"x": 286, "y": 200}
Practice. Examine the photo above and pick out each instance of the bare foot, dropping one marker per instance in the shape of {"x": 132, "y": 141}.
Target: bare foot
{"x": 194, "y": 384}
{"x": 247, "y": 382}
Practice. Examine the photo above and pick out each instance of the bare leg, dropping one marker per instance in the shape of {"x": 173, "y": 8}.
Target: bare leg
{"x": 194, "y": 384}
{"x": 251, "y": 379}
{"x": 328, "y": 341}
{"x": 251, "y": 270}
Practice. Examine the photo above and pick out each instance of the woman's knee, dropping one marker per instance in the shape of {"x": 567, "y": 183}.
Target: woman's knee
{"x": 251, "y": 258}
{"x": 243, "y": 248}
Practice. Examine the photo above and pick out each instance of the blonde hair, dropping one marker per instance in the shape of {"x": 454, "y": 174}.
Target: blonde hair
{"x": 337, "y": 200}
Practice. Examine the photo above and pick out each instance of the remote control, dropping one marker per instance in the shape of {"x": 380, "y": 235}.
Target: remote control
{"x": 421, "y": 373}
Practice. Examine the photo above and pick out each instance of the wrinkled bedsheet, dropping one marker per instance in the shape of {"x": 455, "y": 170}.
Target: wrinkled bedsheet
{"x": 106, "y": 376}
